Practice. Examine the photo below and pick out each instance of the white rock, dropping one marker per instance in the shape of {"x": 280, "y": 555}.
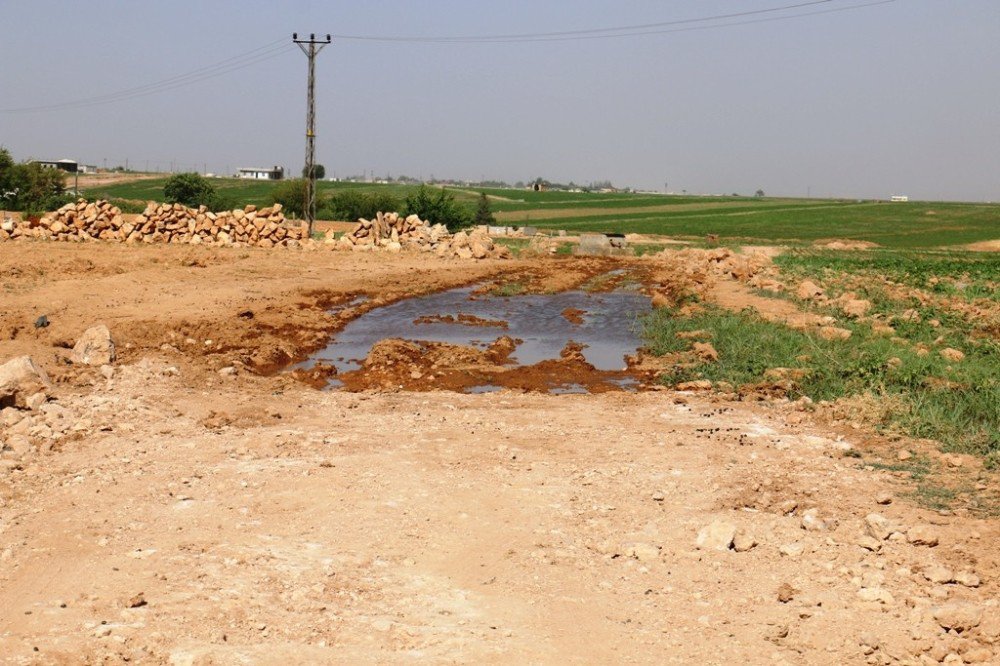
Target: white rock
{"x": 95, "y": 347}
{"x": 20, "y": 379}
{"x": 717, "y": 535}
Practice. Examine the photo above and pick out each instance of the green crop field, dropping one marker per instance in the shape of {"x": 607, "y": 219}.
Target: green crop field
{"x": 912, "y": 225}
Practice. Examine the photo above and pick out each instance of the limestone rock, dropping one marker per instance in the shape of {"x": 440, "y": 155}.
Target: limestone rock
{"x": 643, "y": 552}
{"x": 958, "y": 616}
{"x": 856, "y": 308}
{"x": 952, "y": 355}
{"x": 808, "y": 290}
{"x": 20, "y": 379}
{"x": 95, "y": 347}
{"x": 834, "y": 333}
{"x": 877, "y": 526}
{"x": 743, "y": 541}
{"x": 967, "y": 578}
{"x": 939, "y": 574}
{"x": 922, "y": 535}
{"x": 717, "y": 535}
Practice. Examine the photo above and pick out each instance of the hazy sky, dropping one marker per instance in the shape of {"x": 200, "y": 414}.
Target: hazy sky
{"x": 899, "y": 98}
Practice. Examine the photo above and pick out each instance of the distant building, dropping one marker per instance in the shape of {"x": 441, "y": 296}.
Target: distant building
{"x": 899, "y": 198}
{"x": 86, "y": 168}
{"x": 62, "y": 165}
{"x": 254, "y": 173}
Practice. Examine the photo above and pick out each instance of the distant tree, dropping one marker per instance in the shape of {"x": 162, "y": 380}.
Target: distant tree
{"x": 759, "y": 194}
{"x": 483, "y": 213}
{"x": 440, "y": 208}
{"x": 319, "y": 169}
{"x": 189, "y": 189}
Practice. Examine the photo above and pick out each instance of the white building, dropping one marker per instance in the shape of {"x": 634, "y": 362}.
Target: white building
{"x": 899, "y": 198}
{"x": 255, "y": 173}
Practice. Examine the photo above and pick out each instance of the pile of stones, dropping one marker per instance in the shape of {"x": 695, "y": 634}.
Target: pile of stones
{"x": 161, "y": 223}
{"x": 392, "y": 232}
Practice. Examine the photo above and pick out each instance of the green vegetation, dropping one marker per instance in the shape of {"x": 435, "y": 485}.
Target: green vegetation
{"x": 509, "y": 289}
{"x": 924, "y": 395}
{"x": 965, "y": 275}
{"x": 354, "y": 204}
{"x": 189, "y": 189}
{"x": 30, "y": 188}
{"x": 291, "y": 194}
{"x": 734, "y": 219}
{"x": 483, "y": 213}
{"x": 437, "y": 208}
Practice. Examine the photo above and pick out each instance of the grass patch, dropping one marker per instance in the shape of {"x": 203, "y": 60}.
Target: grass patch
{"x": 509, "y": 289}
{"x": 515, "y": 245}
{"x": 918, "y": 468}
{"x": 957, "y": 404}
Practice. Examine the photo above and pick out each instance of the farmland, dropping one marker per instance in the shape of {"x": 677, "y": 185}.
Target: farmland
{"x": 800, "y": 442}
{"x": 912, "y": 225}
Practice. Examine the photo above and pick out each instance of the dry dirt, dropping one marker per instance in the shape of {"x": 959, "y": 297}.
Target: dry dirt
{"x": 173, "y": 514}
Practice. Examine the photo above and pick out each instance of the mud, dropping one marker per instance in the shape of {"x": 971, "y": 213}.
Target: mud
{"x": 439, "y": 342}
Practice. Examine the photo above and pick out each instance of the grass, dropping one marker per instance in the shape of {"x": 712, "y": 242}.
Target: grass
{"x": 957, "y": 404}
{"x": 966, "y": 275}
{"x": 734, "y": 219}
{"x": 509, "y": 289}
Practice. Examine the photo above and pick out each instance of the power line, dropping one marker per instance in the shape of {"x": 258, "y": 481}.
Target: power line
{"x": 232, "y": 64}
{"x": 622, "y": 31}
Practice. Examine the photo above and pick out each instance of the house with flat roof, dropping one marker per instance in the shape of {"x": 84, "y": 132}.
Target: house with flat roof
{"x": 259, "y": 173}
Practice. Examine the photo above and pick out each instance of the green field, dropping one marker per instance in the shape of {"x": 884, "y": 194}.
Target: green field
{"x": 914, "y": 225}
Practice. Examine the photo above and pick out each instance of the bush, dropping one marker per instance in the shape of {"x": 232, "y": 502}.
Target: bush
{"x": 189, "y": 189}
{"x": 30, "y": 188}
{"x": 440, "y": 208}
{"x": 354, "y": 204}
{"x": 291, "y": 194}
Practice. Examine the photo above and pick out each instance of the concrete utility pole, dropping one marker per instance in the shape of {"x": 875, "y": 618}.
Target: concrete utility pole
{"x": 311, "y": 47}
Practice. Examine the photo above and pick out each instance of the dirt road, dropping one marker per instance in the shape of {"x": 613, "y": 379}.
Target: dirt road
{"x": 173, "y": 514}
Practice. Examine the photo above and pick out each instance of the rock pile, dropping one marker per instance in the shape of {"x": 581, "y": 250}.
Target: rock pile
{"x": 392, "y": 232}
{"x": 161, "y": 223}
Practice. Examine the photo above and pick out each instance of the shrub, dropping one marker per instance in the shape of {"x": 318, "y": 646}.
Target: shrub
{"x": 30, "y": 188}
{"x": 189, "y": 189}
{"x": 439, "y": 208}
{"x": 291, "y": 194}
{"x": 353, "y": 204}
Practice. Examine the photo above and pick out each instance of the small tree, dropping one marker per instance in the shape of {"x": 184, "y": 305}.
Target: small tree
{"x": 318, "y": 169}
{"x": 189, "y": 189}
{"x": 484, "y": 216}
{"x": 759, "y": 194}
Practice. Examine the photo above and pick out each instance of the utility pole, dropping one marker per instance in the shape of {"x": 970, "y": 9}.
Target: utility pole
{"x": 310, "y": 47}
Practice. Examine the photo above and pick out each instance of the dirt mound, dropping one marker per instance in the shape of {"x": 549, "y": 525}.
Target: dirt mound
{"x": 984, "y": 246}
{"x": 839, "y": 244}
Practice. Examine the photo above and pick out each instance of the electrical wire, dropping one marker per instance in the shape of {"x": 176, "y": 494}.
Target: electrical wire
{"x": 621, "y": 31}
{"x": 232, "y": 64}
{"x": 281, "y": 46}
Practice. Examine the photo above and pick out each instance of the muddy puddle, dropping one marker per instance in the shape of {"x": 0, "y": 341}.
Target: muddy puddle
{"x": 567, "y": 342}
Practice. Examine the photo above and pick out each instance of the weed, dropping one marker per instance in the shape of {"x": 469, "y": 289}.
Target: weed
{"x": 509, "y": 289}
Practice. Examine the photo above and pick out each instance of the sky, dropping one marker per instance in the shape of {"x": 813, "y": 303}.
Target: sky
{"x": 900, "y": 97}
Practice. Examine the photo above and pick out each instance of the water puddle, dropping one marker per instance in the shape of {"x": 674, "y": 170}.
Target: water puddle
{"x": 544, "y": 324}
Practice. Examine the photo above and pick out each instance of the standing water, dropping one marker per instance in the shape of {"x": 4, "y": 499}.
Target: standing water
{"x": 605, "y": 324}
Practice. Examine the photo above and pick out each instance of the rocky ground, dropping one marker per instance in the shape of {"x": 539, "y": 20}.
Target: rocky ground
{"x": 184, "y": 505}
